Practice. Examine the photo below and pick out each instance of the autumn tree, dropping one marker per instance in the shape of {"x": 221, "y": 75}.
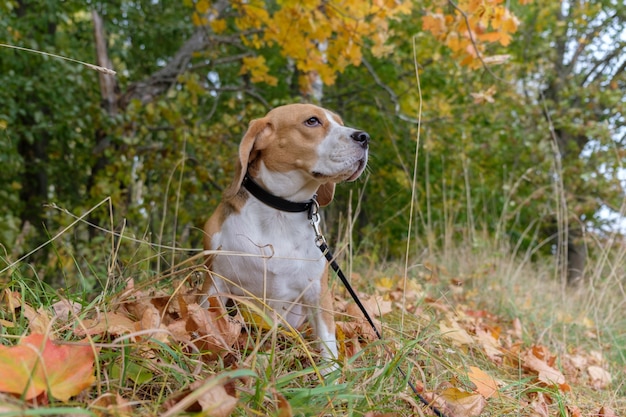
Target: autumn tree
{"x": 577, "y": 82}
{"x": 191, "y": 75}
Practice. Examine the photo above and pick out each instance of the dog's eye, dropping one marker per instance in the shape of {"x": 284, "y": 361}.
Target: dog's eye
{"x": 312, "y": 121}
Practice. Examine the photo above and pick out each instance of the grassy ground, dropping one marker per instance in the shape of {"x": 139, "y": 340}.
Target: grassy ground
{"x": 479, "y": 332}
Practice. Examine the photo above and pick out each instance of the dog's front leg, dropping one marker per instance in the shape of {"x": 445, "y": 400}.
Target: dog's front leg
{"x": 323, "y": 321}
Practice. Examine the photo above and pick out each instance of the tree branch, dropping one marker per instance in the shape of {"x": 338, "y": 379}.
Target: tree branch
{"x": 158, "y": 83}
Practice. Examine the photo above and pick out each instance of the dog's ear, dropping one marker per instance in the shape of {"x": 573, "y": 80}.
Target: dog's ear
{"x": 251, "y": 143}
{"x": 325, "y": 193}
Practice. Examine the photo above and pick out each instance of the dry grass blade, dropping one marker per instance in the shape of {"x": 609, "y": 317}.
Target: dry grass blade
{"x": 90, "y": 66}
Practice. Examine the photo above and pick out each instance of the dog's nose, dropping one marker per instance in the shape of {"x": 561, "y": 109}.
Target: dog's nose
{"x": 362, "y": 137}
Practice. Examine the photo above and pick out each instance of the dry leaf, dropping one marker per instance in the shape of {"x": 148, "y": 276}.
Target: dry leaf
{"x": 106, "y": 323}
{"x": 490, "y": 345}
{"x": 66, "y": 309}
{"x": 485, "y": 384}
{"x": 539, "y": 406}
{"x": 39, "y": 319}
{"x": 37, "y": 365}
{"x": 600, "y": 378}
{"x": 455, "y": 333}
{"x": 213, "y": 329}
{"x": 376, "y": 306}
{"x": 546, "y": 373}
{"x": 573, "y": 411}
{"x": 219, "y": 401}
{"x": 454, "y": 402}
{"x": 112, "y": 405}
{"x": 213, "y": 397}
{"x": 606, "y": 412}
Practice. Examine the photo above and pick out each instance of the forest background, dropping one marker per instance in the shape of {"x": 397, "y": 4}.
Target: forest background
{"x": 522, "y": 124}
{"x": 517, "y": 125}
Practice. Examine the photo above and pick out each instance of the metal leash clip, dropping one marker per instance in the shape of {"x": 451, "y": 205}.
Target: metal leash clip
{"x": 315, "y": 219}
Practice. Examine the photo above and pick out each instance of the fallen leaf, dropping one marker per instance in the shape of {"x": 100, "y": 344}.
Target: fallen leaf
{"x": 573, "y": 411}
{"x": 485, "y": 384}
{"x": 605, "y": 412}
{"x": 17, "y": 367}
{"x": 454, "y": 402}
{"x": 67, "y": 368}
{"x": 213, "y": 329}
{"x": 215, "y": 397}
{"x": 66, "y": 309}
{"x": 546, "y": 373}
{"x": 112, "y": 405}
{"x": 39, "y": 319}
{"x": 37, "y": 365}
{"x": 490, "y": 345}
{"x": 455, "y": 333}
{"x": 539, "y": 406}
{"x": 376, "y": 306}
{"x": 106, "y": 323}
{"x": 600, "y": 378}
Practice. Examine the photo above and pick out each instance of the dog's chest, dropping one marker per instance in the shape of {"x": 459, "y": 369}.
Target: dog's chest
{"x": 281, "y": 258}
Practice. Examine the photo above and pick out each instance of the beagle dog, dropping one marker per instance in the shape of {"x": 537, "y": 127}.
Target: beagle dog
{"x": 289, "y": 162}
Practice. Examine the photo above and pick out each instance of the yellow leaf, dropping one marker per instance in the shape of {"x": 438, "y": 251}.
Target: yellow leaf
{"x": 218, "y": 25}
{"x": 384, "y": 284}
{"x": 455, "y": 333}
{"x": 258, "y": 70}
{"x": 202, "y": 6}
{"x": 198, "y": 20}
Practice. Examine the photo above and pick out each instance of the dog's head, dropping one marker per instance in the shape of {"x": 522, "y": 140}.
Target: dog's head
{"x": 305, "y": 138}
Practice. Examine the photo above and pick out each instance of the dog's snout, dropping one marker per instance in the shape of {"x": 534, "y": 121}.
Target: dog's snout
{"x": 362, "y": 137}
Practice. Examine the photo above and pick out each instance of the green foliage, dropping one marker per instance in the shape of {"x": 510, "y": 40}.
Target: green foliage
{"x": 486, "y": 155}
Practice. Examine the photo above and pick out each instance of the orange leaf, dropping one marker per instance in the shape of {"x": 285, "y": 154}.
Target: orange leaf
{"x": 485, "y": 384}
{"x": 68, "y": 369}
{"x": 37, "y": 365}
{"x": 17, "y": 367}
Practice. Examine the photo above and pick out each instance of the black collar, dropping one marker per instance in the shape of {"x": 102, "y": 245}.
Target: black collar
{"x": 276, "y": 202}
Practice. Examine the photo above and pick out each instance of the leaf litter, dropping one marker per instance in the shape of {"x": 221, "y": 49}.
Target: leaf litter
{"x": 38, "y": 366}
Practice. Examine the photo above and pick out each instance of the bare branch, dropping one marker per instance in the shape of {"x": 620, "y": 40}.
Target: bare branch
{"x": 159, "y": 82}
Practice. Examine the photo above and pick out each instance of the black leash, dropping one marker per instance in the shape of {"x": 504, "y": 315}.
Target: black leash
{"x": 312, "y": 207}
{"x": 320, "y": 241}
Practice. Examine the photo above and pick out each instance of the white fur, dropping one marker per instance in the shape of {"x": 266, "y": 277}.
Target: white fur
{"x": 279, "y": 262}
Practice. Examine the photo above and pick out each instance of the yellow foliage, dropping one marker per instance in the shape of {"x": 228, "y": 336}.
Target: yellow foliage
{"x": 198, "y": 20}
{"x": 202, "y": 6}
{"x": 321, "y": 37}
{"x": 218, "y": 25}
{"x": 258, "y": 70}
